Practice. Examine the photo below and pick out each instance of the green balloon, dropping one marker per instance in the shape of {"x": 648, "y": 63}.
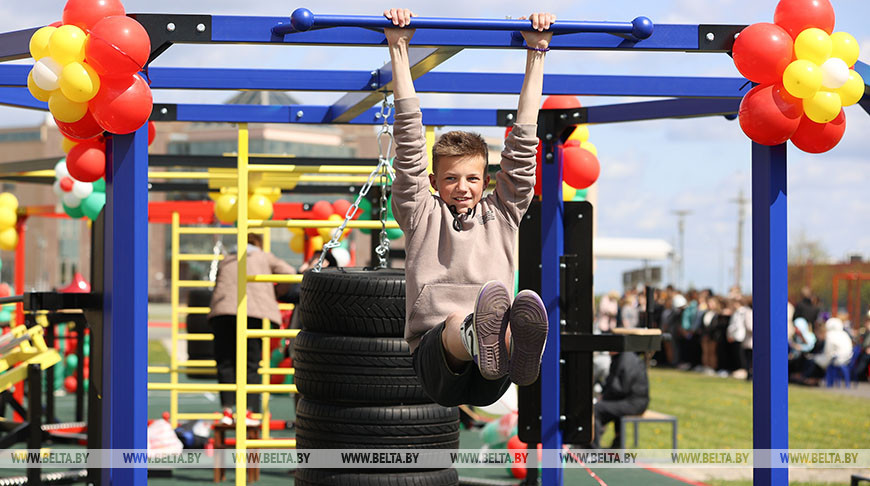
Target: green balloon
{"x": 93, "y": 204}
{"x": 365, "y": 207}
{"x": 5, "y": 315}
{"x": 276, "y": 358}
{"x": 581, "y": 195}
{"x": 100, "y": 185}
{"x": 72, "y": 362}
{"x": 74, "y": 213}
{"x": 87, "y": 349}
{"x": 394, "y": 233}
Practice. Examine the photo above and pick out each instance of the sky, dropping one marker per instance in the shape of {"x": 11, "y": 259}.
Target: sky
{"x": 648, "y": 169}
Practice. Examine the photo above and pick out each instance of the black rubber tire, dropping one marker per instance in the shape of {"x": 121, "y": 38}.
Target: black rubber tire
{"x": 354, "y": 301}
{"x": 352, "y": 355}
{"x": 377, "y": 427}
{"x": 347, "y": 477}
{"x": 358, "y": 388}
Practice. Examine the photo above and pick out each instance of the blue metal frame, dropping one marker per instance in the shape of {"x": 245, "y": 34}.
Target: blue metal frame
{"x": 769, "y": 298}
{"x": 125, "y": 311}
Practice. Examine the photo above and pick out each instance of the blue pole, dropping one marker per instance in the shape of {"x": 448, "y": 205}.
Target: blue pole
{"x": 302, "y": 20}
{"x": 770, "y": 294}
{"x": 125, "y": 409}
{"x": 552, "y": 242}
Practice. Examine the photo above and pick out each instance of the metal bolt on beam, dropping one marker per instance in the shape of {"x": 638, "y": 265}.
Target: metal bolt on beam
{"x": 200, "y": 27}
{"x": 170, "y": 27}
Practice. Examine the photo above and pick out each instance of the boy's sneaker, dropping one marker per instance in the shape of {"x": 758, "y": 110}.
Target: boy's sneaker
{"x": 483, "y": 332}
{"x": 250, "y": 420}
{"x": 528, "y": 318}
{"x": 227, "y": 419}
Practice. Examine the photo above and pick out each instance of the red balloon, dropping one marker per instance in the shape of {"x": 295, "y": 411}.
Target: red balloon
{"x": 321, "y": 210}
{"x": 84, "y": 129}
{"x": 66, "y": 184}
{"x": 152, "y": 132}
{"x": 117, "y": 46}
{"x": 122, "y": 105}
{"x": 816, "y": 138}
{"x": 795, "y": 16}
{"x": 769, "y": 115}
{"x": 341, "y": 206}
{"x": 86, "y": 161}
{"x": 84, "y": 14}
{"x": 561, "y": 102}
{"x": 70, "y": 384}
{"x": 762, "y": 51}
{"x": 311, "y": 232}
{"x": 580, "y": 167}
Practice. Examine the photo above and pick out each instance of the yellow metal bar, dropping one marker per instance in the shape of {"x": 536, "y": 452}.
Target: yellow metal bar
{"x": 200, "y": 416}
{"x": 196, "y": 337}
{"x": 192, "y": 387}
{"x": 161, "y": 370}
{"x": 158, "y": 369}
{"x": 242, "y": 301}
{"x": 194, "y": 310}
{"x": 318, "y": 223}
{"x": 272, "y": 333}
{"x": 276, "y": 278}
{"x": 271, "y": 389}
{"x": 213, "y": 231}
{"x": 270, "y": 443}
{"x": 286, "y": 306}
{"x": 197, "y": 363}
{"x": 199, "y": 258}
{"x": 277, "y": 371}
{"x": 174, "y": 298}
{"x": 195, "y": 283}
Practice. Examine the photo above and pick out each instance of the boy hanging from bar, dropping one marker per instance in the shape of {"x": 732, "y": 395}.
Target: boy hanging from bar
{"x": 468, "y": 336}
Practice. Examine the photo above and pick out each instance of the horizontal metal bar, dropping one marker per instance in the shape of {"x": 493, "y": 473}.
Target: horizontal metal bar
{"x": 231, "y": 161}
{"x": 270, "y": 443}
{"x": 199, "y": 258}
{"x": 273, "y": 333}
{"x": 199, "y": 416}
{"x": 16, "y": 45}
{"x": 11, "y": 299}
{"x": 656, "y": 110}
{"x": 246, "y": 30}
{"x": 319, "y": 223}
{"x": 194, "y": 310}
{"x": 432, "y": 82}
{"x": 302, "y": 20}
{"x": 21, "y": 98}
{"x": 277, "y": 371}
{"x": 195, "y": 284}
{"x": 275, "y": 278}
{"x": 196, "y": 337}
{"x": 193, "y": 363}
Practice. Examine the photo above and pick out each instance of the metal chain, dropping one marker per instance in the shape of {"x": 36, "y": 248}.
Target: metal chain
{"x": 381, "y": 172}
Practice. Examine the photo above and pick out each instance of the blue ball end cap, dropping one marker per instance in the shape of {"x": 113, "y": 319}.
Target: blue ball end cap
{"x": 641, "y": 28}
{"x": 302, "y": 19}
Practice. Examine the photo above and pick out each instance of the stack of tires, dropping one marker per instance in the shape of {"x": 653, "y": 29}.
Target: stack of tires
{"x": 356, "y": 380}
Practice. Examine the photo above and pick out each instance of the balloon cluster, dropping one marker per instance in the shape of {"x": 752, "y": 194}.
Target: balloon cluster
{"x": 8, "y": 220}
{"x": 67, "y": 345}
{"x": 804, "y": 76}
{"x": 78, "y": 198}
{"x": 316, "y": 237}
{"x": 7, "y": 310}
{"x": 260, "y": 201}
{"x": 580, "y": 166}
{"x": 86, "y": 69}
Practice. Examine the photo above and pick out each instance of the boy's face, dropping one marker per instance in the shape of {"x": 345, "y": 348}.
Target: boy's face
{"x": 460, "y": 180}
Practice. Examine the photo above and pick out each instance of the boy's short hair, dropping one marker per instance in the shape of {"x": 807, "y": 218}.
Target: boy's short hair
{"x": 461, "y": 143}
{"x": 255, "y": 239}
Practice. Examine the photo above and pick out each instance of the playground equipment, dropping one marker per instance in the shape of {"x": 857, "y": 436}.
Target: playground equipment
{"x": 124, "y": 234}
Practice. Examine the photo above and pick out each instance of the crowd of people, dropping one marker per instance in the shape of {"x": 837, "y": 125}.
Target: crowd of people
{"x": 712, "y": 333}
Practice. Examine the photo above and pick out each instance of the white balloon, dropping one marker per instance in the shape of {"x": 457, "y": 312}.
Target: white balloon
{"x": 60, "y": 170}
{"x": 82, "y": 189}
{"x": 56, "y": 188}
{"x": 71, "y": 200}
{"x": 46, "y": 73}
{"x": 342, "y": 256}
{"x": 835, "y": 73}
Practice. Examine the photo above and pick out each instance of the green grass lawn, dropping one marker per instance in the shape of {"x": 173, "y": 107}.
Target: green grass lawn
{"x": 716, "y": 413}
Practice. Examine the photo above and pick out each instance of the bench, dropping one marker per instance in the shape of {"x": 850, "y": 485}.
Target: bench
{"x": 648, "y": 416}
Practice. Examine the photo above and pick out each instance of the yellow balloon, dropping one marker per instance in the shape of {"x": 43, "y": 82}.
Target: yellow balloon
{"x": 64, "y": 109}
{"x": 36, "y": 91}
{"x": 297, "y": 243}
{"x": 325, "y": 233}
{"x": 39, "y": 42}
{"x": 823, "y": 107}
{"x": 8, "y": 239}
{"x": 580, "y": 133}
{"x": 802, "y": 79}
{"x": 79, "y": 82}
{"x": 8, "y": 200}
{"x": 590, "y": 147}
{"x": 813, "y": 45}
{"x": 297, "y": 231}
{"x": 851, "y": 92}
{"x": 226, "y": 208}
{"x": 259, "y": 207}
{"x": 568, "y": 192}
{"x": 67, "y": 44}
{"x": 8, "y": 218}
{"x": 316, "y": 243}
{"x": 845, "y": 47}
{"x": 67, "y": 144}
{"x": 339, "y": 218}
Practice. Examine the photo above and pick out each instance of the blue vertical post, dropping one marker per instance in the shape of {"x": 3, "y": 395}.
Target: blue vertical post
{"x": 770, "y": 294}
{"x": 125, "y": 312}
{"x": 552, "y": 242}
